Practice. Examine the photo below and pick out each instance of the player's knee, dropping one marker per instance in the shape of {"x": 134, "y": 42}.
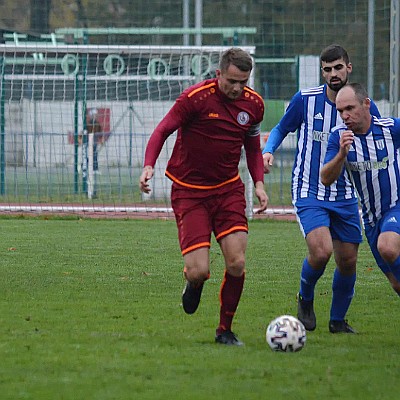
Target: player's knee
{"x": 320, "y": 257}
{"x": 196, "y": 275}
{"x": 236, "y": 266}
{"x": 388, "y": 252}
{"x": 347, "y": 265}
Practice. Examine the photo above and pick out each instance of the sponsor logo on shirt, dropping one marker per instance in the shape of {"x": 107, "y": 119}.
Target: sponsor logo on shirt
{"x": 380, "y": 144}
{"x": 392, "y": 219}
{"x": 369, "y": 165}
{"x": 213, "y": 115}
{"x": 243, "y": 118}
{"x": 318, "y": 116}
{"x": 320, "y": 136}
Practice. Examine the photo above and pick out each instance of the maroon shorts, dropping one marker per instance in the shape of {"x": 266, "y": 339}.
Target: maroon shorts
{"x": 198, "y": 214}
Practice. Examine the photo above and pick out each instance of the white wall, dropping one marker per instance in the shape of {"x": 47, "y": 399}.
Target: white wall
{"x": 36, "y": 135}
{"x": 41, "y": 130}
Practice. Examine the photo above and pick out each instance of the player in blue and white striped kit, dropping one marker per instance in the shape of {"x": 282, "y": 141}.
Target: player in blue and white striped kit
{"x": 368, "y": 148}
{"x": 328, "y": 224}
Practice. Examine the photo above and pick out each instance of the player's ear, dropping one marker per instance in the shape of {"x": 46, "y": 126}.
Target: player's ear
{"x": 349, "y": 67}
{"x": 217, "y": 73}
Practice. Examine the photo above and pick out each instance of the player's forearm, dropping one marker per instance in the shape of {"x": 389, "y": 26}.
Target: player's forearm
{"x": 153, "y": 150}
{"x": 168, "y": 125}
{"x": 256, "y": 169}
{"x": 275, "y": 139}
{"x": 254, "y": 158}
{"x": 259, "y": 185}
{"x": 331, "y": 171}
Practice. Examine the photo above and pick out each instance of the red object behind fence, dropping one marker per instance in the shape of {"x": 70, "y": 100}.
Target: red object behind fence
{"x": 103, "y": 117}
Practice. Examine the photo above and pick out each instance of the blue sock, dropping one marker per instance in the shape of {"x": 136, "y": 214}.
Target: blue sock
{"x": 308, "y": 279}
{"x": 342, "y": 294}
{"x": 395, "y": 268}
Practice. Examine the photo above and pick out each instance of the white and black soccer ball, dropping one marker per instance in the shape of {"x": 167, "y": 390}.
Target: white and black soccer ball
{"x": 286, "y": 333}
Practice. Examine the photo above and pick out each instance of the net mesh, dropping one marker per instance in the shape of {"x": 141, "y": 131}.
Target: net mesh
{"x": 43, "y": 114}
{"x": 53, "y": 97}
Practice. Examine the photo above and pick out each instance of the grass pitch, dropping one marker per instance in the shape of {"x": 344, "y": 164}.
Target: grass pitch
{"x": 91, "y": 309}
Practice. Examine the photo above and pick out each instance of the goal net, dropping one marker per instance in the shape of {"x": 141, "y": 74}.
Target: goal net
{"x": 75, "y": 120}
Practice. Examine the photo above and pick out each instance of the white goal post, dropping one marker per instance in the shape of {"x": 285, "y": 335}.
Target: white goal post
{"x": 48, "y": 155}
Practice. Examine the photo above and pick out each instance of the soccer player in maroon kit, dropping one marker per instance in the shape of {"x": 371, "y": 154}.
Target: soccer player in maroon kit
{"x": 214, "y": 119}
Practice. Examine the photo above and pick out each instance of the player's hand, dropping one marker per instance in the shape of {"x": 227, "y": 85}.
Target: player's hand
{"x": 268, "y": 159}
{"x": 262, "y": 198}
{"x": 146, "y": 175}
{"x": 346, "y": 139}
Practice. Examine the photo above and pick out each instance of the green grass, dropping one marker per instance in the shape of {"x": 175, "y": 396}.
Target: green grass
{"x": 90, "y": 309}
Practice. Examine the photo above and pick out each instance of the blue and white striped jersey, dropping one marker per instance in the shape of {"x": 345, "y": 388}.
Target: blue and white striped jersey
{"x": 313, "y": 115}
{"x": 374, "y": 163}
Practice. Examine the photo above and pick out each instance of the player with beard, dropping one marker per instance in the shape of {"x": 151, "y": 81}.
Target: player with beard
{"x": 329, "y": 225}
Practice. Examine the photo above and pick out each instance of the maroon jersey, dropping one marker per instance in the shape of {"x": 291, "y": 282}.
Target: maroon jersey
{"x": 211, "y": 132}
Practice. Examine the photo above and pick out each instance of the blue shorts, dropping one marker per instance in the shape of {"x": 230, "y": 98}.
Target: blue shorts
{"x": 390, "y": 222}
{"x": 341, "y": 217}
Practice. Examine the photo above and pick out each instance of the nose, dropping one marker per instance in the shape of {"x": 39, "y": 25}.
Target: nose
{"x": 345, "y": 116}
{"x": 237, "y": 87}
{"x": 334, "y": 73}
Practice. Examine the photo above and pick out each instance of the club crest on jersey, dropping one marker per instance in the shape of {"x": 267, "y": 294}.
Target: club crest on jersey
{"x": 380, "y": 144}
{"x": 243, "y": 118}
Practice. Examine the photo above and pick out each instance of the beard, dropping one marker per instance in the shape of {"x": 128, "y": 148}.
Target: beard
{"x": 337, "y": 85}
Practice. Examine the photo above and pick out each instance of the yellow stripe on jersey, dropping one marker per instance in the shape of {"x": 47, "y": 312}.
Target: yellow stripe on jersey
{"x": 253, "y": 92}
{"x": 191, "y": 186}
{"x": 201, "y": 88}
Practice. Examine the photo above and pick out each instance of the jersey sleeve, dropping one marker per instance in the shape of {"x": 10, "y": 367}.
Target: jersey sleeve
{"x": 175, "y": 118}
{"x": 290, "y": 122}
{"x": 251, "y": 144}
{"x": 275, "y": 138}
{"x": 254, "y": 159}
{"x": 255, "y": 128}
{"x": 333, "y": 146}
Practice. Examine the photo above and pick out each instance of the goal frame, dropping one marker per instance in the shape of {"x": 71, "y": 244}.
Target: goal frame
{"x": 40, "y": 54}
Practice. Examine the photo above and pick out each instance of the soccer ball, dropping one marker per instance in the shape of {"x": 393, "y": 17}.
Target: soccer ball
{"x": 286, "y": 333}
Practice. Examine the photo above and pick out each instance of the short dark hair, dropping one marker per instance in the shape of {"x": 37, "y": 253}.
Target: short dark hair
{"x": 237, "y": 57}
{"x": 334, "y": 52}
{"x": 359, "y": 91}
